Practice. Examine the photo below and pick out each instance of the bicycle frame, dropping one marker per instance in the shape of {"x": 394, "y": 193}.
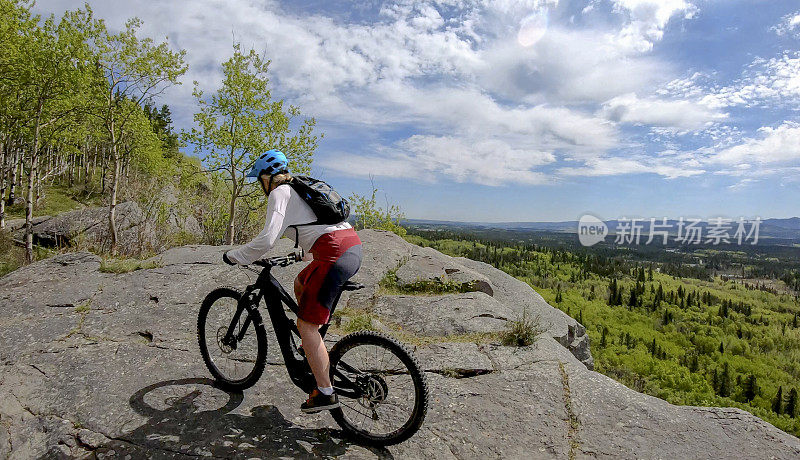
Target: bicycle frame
{"x": 274, "y": 295}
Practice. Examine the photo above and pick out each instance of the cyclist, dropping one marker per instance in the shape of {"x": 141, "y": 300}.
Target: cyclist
{"x": 336, "y": 251}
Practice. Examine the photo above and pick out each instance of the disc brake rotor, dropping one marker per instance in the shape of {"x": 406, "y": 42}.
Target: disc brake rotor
{"x": 220, "y": 336}
{"x": 375, "y": 391}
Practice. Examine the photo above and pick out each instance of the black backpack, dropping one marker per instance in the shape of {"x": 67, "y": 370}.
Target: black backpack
{"x": 329, "y": 207}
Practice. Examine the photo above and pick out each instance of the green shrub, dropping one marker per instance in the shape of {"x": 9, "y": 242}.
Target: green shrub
{"x": 390, "y": 285}
{"x": 11, "y": 257}
{"x": 182, "y": 238}
{"x": 359, "y": 322}
{"x": 438, "y": 286}
{"x": 367, "y": 214}
{"x": 522, "y": 332}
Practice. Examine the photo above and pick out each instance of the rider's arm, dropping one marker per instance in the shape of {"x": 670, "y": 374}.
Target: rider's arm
{"x": 273, "y": 229}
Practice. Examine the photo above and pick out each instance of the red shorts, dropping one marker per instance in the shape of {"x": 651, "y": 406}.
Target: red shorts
{"x": 337, "y": 257}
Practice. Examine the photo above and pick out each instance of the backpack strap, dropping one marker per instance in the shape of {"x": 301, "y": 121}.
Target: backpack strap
{"x": 297, "y": 232}
{"x": 291, "y": 183}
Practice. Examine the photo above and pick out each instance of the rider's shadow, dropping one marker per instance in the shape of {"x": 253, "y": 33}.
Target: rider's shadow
{"x": 179, "y": 424}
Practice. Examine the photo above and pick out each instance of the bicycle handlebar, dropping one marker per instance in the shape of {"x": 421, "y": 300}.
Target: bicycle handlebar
{"x": 280, "y": 261}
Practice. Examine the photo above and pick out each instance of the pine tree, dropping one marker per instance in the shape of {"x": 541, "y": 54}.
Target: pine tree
{"x": 603, "y": 337}
{"x": 632, "y": 300}
{"x": 777, "y": 403}
{"x": 750, "y": 388}
{"x": 725, "y": 381}
{"x": 722, "y": 348}
{"x": 612, "y": 288}
{"x": 791, "y": 406}
{"x": 715, "y": 381}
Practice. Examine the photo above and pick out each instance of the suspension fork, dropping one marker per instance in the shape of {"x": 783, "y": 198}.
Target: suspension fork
{"x": 231, "y": 336}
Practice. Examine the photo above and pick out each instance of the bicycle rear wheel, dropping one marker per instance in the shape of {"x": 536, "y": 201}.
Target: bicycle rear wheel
{"x": 382, "y": 391}
{"x": 237, "y": 365}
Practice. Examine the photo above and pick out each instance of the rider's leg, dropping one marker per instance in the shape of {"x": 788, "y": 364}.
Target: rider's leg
{"x": 316, "y": 353}
{"x": 298, "y": 288}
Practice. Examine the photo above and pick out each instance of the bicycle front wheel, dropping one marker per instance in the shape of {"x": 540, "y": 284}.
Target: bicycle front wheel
{"x": 236, "y": 364}
{"x": 383, "y": 393}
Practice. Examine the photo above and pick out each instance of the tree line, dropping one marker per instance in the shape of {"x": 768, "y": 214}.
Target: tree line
{"x": 78, "y": 104}
{"x": 71, "y": 96}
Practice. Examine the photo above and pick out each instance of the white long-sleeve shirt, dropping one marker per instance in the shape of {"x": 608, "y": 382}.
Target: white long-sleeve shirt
{"x": 284, "y": 208}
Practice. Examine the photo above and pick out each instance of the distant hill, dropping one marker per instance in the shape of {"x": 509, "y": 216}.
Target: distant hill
{"x": 782, "y": 229}
{"x": 792, "y": 223}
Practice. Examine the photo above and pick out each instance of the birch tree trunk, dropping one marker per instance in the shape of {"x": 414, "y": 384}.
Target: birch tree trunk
{"x": 3, "y": 182}
{"x": 12, "y": 195}
{"x": 112, "y": 211}
{"x": 32, "y": 173}
{"x": 232, "y": 211}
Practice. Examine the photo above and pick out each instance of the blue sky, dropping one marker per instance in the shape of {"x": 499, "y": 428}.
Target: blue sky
{"x": 530, "y": 110}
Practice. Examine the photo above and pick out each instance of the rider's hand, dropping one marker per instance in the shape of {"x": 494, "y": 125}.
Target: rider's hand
{"x": 227, "y": 260}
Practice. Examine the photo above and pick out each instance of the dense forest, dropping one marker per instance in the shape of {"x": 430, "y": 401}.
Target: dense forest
{"x": 81, "y": 125}
{"x": 693, "y": 339}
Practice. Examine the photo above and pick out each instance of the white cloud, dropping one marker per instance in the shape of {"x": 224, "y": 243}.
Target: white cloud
{"x": 679, "y": 114}
{"x": 773, "y": 146}
{"x": 765, "y": 83}
{"x": 567, "y": 66}
{"x": 451, "y": 74}
{"x": 647, "y": 21}
{"x": 484, "y": 161}
{"x": 789, "y": 25}
{"x": 670, "y": 168}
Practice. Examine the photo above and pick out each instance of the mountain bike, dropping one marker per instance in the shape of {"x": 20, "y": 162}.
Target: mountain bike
{"x": 382, "y": 391}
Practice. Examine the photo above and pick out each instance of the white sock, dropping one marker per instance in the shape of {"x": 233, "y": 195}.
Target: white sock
{"x": 326, "y": 391}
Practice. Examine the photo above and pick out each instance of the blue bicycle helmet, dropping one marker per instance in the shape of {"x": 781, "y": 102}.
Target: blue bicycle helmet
{"x": 270, "y": 162}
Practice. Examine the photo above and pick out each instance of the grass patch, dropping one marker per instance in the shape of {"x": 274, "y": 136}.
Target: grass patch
{"x": 574, "y": 424}
{"x": 55, "y": 200}
{"x": 390, "y": 285}
{"x": 359, "y": 323}
{"x": 522, "y": 332}
{"x": 84, "y": 307}
{"x": 12, "y": 256}
{"x": 358, "y": 320}
{"x": 118, "y": 266}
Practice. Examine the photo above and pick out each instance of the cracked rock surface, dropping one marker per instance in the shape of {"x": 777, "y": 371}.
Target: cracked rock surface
{"x": 101, "y": 365}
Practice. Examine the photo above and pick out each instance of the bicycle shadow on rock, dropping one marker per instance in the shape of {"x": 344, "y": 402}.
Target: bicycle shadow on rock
{"x": 191, "y": 417}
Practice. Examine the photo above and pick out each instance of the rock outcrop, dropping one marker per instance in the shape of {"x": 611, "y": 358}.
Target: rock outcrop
{"x": 106, "y": 366}
{"x": 88, "y": 227}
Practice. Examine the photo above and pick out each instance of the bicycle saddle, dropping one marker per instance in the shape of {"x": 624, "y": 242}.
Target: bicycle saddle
{"x": 351, "y": 286}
